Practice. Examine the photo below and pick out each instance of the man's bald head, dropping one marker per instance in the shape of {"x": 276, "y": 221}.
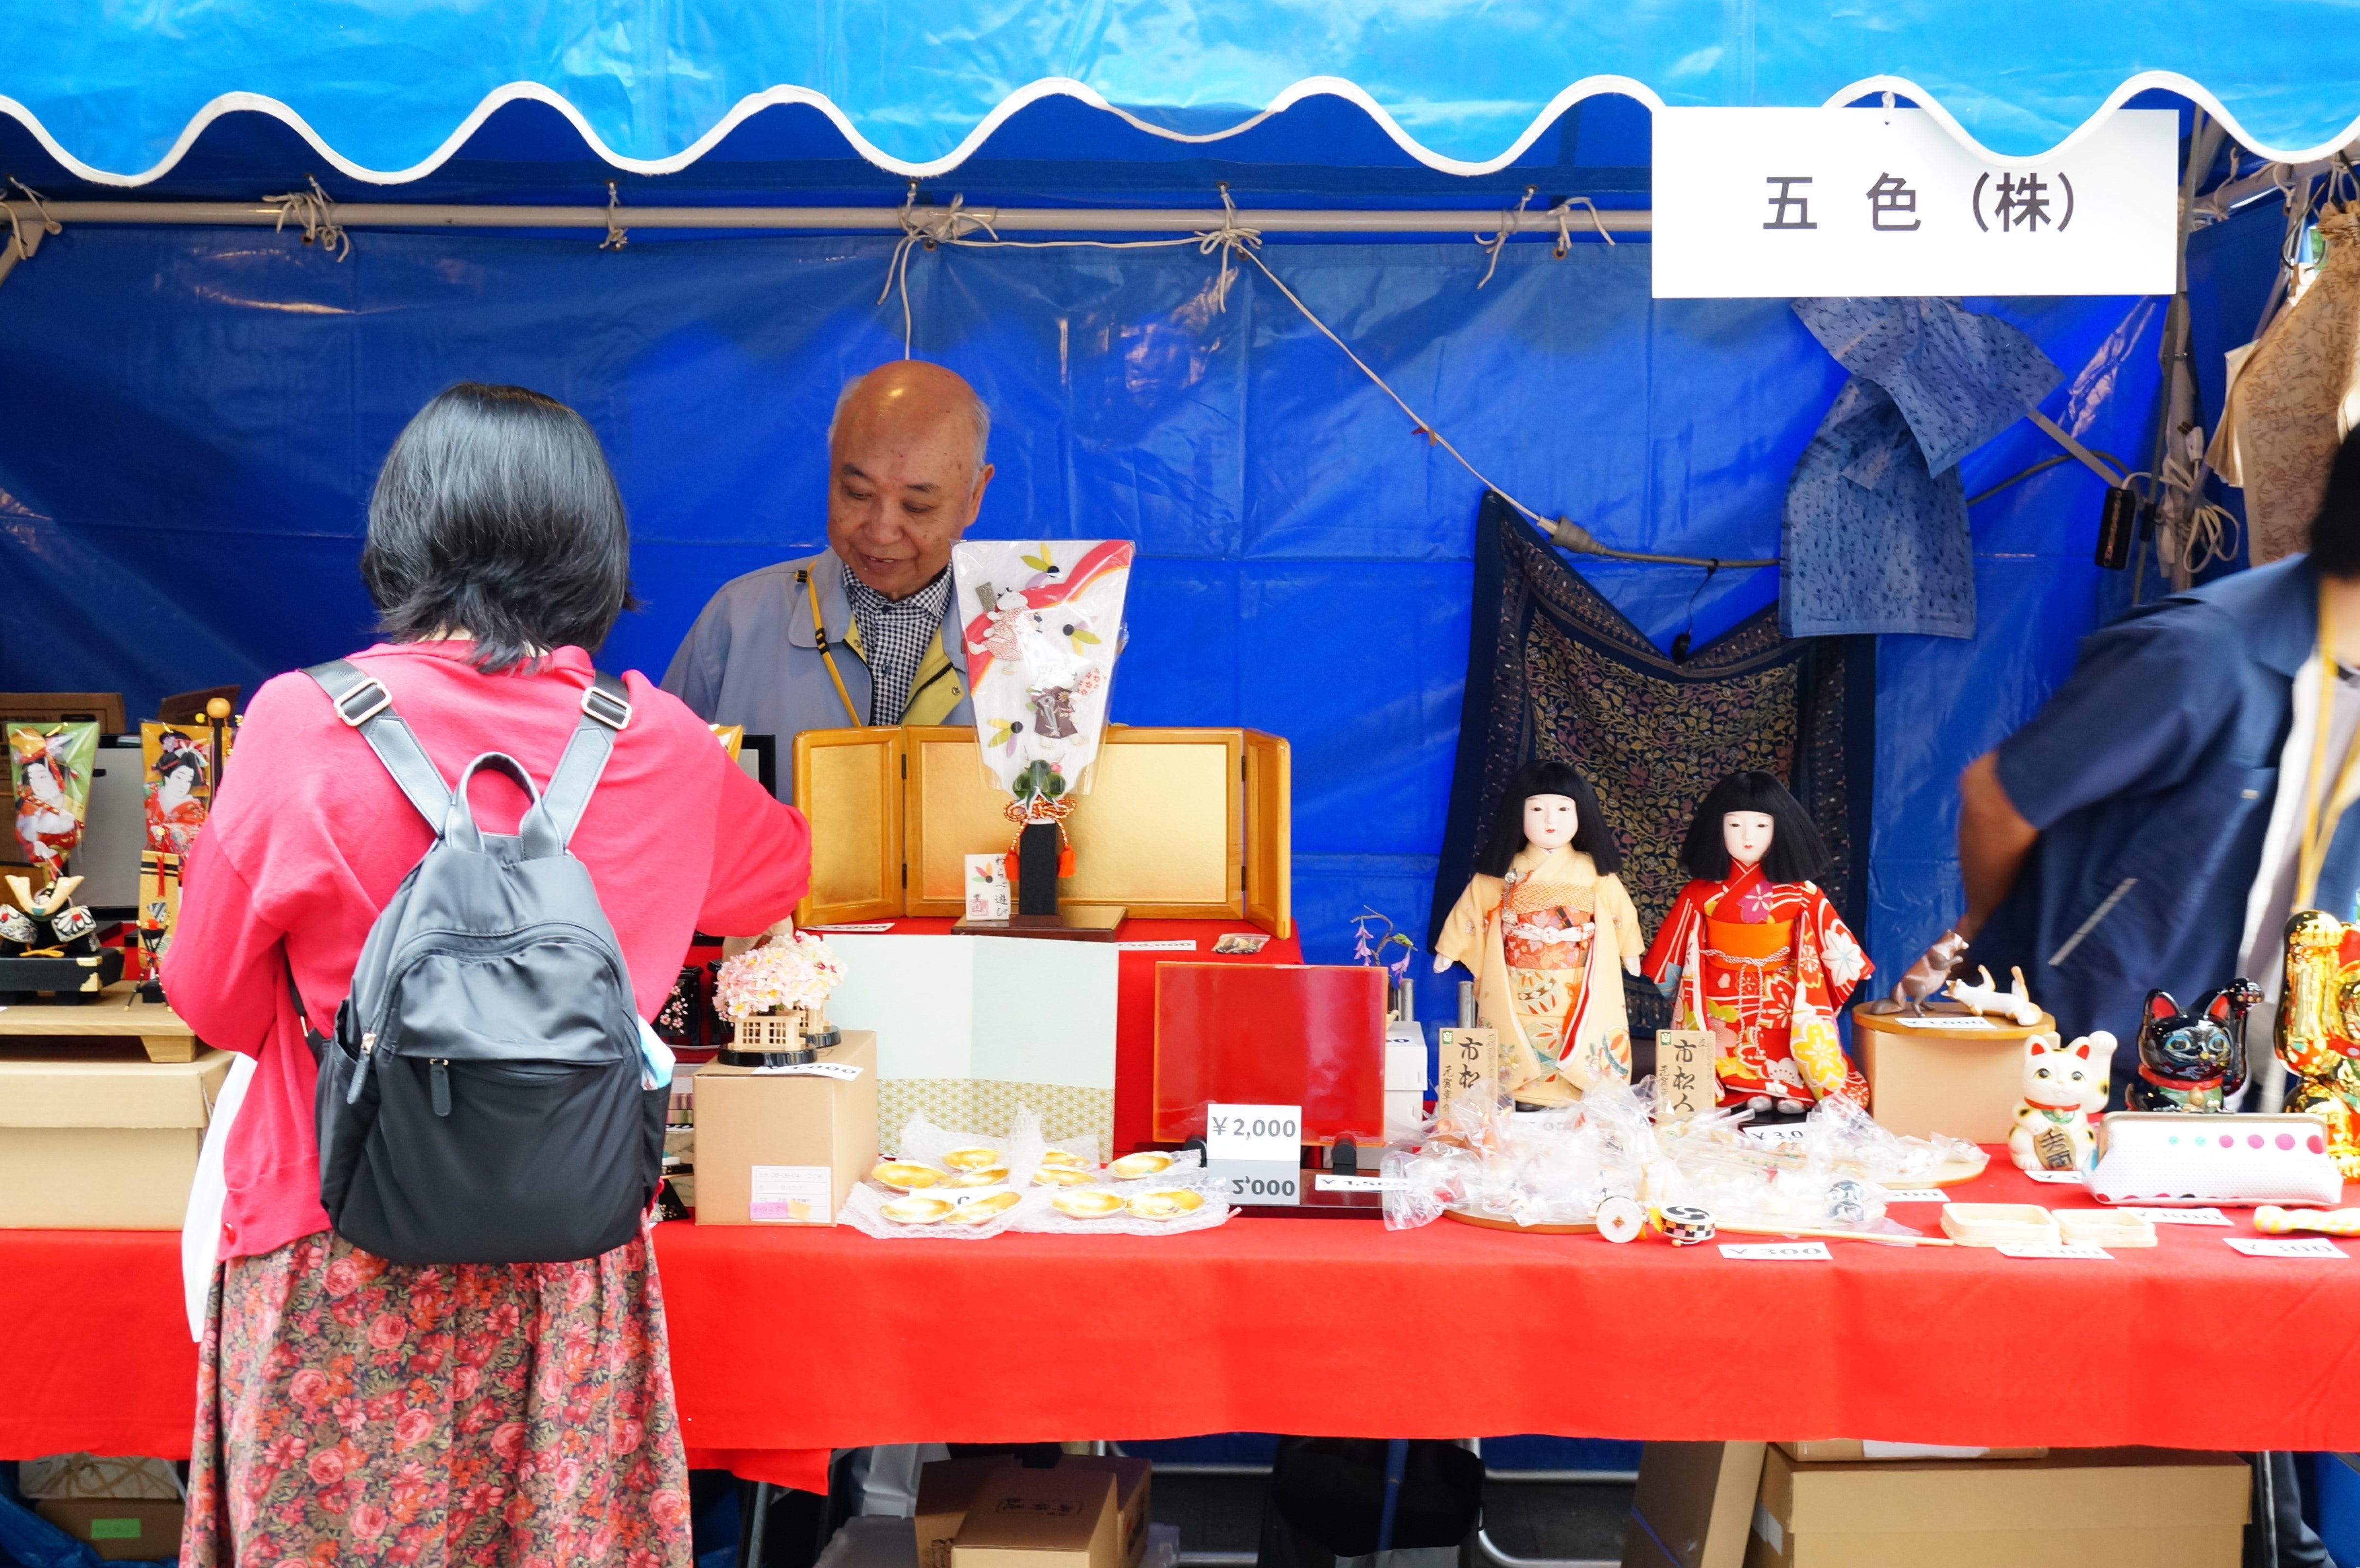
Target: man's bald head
{"x": 906, "y": 472}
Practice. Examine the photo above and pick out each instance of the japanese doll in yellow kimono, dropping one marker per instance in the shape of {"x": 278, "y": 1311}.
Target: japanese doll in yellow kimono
{"x": 1753, "y": 952}
{"x": 1547, "y": 930}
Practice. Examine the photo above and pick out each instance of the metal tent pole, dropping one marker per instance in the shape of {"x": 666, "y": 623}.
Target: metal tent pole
{"x": 931, "y": 218}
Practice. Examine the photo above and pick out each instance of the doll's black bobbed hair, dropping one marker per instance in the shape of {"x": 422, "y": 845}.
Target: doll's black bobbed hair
{"x": 1546, "y": 775}
{"x": 1796, "y": 853}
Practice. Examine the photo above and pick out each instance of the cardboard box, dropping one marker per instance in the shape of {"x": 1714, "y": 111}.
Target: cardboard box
{"x": 784, "y": 1147}
{"x": 1952, "y": 1078}
{"x": 99, "y": 1138}
{"x": 133, "y": 1529}
{"x": 1042, "y": 1518}
{"x": 1853, "y": 1450}
{"x": 2090, "y": 1507}
{"x": 1132, "y": 1478}
{"x": 1692, "y": 1504}
{"x": 945, "y": 1488}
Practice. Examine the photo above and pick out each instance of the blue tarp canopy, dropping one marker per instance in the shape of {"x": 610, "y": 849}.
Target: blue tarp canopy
{"x": 390, "y": 92}
{"x": 190, "y": 417}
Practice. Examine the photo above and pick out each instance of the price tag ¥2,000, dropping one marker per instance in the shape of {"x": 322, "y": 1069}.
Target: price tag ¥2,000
{"x": 1254, "y": 1132}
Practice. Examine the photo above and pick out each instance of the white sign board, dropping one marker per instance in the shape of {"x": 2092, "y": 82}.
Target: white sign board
{"x": 1786, "y": 203}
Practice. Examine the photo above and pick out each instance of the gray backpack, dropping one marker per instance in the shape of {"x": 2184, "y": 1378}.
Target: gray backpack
{"x": 480, "y": 1101}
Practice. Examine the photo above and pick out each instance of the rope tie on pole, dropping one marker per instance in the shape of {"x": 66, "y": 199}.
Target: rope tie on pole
{"x": 1563, "y": 213}
{"x": 1499, "y": 240}
{"x": 316, "y": 214}
{"x": 1228, "y": 241}
{"x": 617, "y": 236}
{"x": 20, "y": 247}
{"x": 933, "y": 227}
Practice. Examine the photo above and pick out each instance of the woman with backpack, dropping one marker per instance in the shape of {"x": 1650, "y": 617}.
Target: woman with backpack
{"x": 484, "y": 1388}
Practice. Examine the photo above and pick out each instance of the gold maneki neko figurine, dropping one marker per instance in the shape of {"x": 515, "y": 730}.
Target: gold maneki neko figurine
{"x": 2319, "y": 1028}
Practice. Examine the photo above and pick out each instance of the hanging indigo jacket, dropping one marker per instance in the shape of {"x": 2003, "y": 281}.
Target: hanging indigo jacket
{"x": 1875, "y": 536}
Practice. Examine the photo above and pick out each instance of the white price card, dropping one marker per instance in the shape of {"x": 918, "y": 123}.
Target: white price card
{"x": 1327, "y": 1183}
{"x": 2059, "y": 1178}
{"x": 1171, "y": 944}
{"x": 2179, "y": 1216}
{"x": 2286, "y": 1246}
{"x": 1777, "y": 1251}
{"x": 2063, "y": 1249}
{"x": 843, "y": 1072}
{"x": 789, "y": 1194}
{"x": 870, "y": 927}
{"x": 1776, "y": 1135}
{"x": 1916, "y": 1195}
{"x": 1254, "y": 1132}
{"x": 1941, "y": 1021}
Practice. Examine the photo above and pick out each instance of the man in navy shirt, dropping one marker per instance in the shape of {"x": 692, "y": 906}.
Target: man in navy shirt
{"x": 2183, "y": 793}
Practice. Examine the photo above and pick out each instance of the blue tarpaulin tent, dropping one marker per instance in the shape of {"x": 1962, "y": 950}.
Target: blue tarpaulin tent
{"x": 191, "y": 414}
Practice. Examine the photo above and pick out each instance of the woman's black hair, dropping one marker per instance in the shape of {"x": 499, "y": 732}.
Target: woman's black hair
{"x": 496, "y": 514}
{"x": 1543, "y": 777}
{"x": 1796, "y": 853}
{"x": 2335, "y": 530}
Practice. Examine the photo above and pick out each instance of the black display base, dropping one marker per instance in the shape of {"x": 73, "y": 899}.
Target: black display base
{"x": 66, "y": 981}
{"x": 767, "y": 1058}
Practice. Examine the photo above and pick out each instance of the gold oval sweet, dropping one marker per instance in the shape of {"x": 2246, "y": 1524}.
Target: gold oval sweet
{"x": 1061, "y": 1176}
{"x": 1146, "y": 1162}
{"x": 983, "y": 1210}
{"x": 975, "y": 1159}
{"x": 1061, "y": 1157}
{"x": 985, "y": 1178}
{"x": 905, "y": 1175}
{"x": 916, "y": 1210}
{"x": 1093, "y": 1205}
{"x": 1166, "y": 1204}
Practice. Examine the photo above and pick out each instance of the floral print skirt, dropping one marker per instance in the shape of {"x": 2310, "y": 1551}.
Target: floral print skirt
{"x": 352, "y": 1409}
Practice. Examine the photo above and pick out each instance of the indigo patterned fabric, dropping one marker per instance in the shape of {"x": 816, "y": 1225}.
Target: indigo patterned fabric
{"x": 1555, "y": 670}
{"x": 1875, "y": 536}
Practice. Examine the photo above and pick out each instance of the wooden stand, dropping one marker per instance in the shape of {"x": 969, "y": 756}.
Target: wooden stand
{"x": 1072, "y": 922}
{"x": 117, "y": 1014}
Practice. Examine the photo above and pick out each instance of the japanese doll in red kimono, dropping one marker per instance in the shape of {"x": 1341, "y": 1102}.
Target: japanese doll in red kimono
{"x": 1753, "y": 952}
{"x": 1548, "y": 930}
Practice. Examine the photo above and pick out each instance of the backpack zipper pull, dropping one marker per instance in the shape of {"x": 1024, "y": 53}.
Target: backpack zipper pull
{"x": 441, "y": 1075}
{"x": 360, "y": 1076}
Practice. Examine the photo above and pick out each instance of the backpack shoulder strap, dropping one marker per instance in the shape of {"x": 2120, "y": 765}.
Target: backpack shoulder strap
{"x": 606, "y": 710}
{"x": 362, "y": 701}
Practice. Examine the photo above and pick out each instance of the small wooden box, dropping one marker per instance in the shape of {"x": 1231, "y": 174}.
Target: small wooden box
{"x": 1176, "y": 823}
{"x": 1962, "y": 1076}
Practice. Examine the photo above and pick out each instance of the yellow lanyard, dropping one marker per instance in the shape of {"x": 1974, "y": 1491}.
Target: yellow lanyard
{"x": 2319, "y": 816}
{"x": 819, "y": 640}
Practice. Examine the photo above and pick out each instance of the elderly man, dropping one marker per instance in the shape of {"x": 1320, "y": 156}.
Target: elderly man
{"x": 865, "y": 632}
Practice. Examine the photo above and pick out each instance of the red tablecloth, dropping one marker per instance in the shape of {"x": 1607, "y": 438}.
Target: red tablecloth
{"x": 1338, "y": 1326}
{"x": 1134, "y": 1042}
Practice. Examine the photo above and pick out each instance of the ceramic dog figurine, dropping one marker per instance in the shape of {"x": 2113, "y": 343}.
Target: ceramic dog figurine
{"x": 2319, "y": 1028}
{"x": 2062, "y": 1084}
{"x": 2015, "y": 1005}
{"x": 2193, "y": 1060}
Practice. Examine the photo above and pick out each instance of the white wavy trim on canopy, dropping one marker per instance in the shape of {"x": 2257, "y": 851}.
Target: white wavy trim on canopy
{"x": 1053, "y": 86}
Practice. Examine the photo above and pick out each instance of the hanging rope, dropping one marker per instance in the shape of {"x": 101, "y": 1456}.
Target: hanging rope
{"x": 933, "y": 227}
{"x": 1233, "y": 241}
{"x": 617, "y": 236}
{"x": 1563, "y": 212}
{"x": 317, "y": 215}
{"x": 1499, "y": 240}
{"x": 19, "y": 248}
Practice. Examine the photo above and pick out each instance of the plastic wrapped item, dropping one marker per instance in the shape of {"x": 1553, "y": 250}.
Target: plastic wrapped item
{"x": 1839, "y": 1134}
{"x": 1017, "y": 1202}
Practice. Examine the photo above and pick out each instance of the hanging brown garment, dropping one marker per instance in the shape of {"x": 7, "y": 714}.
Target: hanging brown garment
{"x": 2295, "y": 400}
